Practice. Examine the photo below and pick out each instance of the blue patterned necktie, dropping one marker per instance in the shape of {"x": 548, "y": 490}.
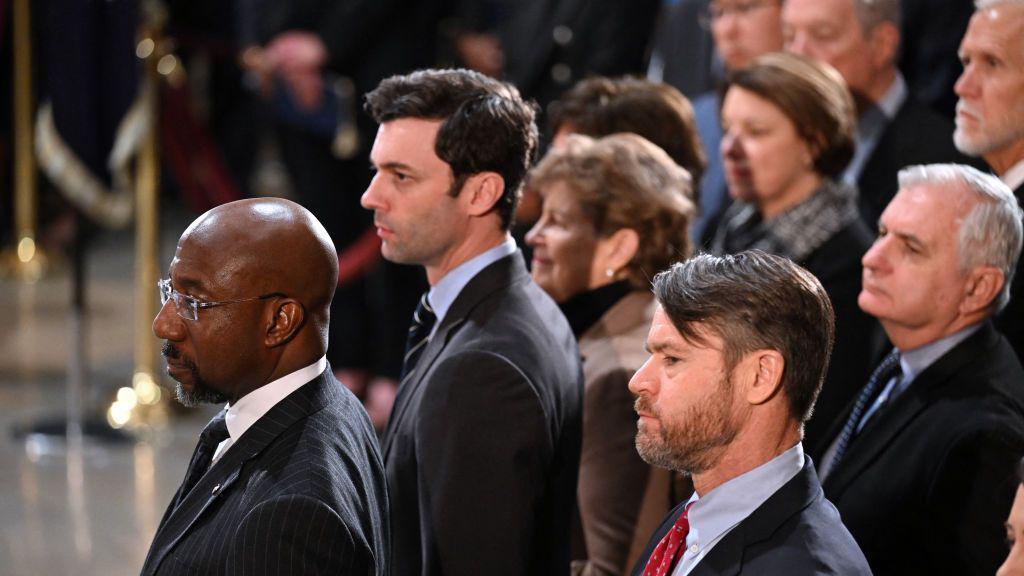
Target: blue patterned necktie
{"x": 423, "y": 320}
{"x": 214, "y": 433}
{"x": 889, "y": 368}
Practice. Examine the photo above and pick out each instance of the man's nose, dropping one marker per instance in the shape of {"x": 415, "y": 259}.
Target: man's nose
{"x": 168, "y": 325}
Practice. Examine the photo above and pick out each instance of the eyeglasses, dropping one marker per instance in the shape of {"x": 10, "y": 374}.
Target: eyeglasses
{"x": 716, "y": 12}
{"x": 188, "y": 307}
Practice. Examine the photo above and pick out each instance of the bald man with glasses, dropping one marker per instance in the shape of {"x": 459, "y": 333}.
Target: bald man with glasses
{"x": 287, "y": 477}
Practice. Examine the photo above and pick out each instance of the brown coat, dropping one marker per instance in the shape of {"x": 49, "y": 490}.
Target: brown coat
{"x": 622, "y": 500}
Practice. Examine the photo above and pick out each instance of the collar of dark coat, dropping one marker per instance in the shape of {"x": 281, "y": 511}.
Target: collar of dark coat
{"x": 500, "y": 274}
{"x": 726, "y": 558}
{"x": 934, "y": 381}
{"x": 221, "y": 477}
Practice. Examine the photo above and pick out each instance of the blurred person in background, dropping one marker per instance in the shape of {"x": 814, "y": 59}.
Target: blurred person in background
{"x": 615, "y": 212}
{"x": 742, "y": 30}
{"x": 602, "y": 106}
{"x": 990, "y": 118}
{"x": 1014, "y": 564}
{"x": 861, "y": 39}
{"x": 788, "y": 124}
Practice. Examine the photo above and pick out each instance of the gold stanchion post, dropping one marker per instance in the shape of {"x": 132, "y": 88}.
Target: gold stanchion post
{"x": 25, "y": 260}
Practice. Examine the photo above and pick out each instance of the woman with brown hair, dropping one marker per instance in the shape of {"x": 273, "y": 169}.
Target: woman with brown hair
{"x": 615, "y": 212}
{"x": 788, "y": 132}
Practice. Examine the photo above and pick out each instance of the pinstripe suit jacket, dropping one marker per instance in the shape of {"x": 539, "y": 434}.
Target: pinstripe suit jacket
{"x": 301, "y": 492}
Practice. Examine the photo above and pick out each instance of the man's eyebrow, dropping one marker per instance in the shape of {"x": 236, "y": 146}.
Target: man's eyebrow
{"x": 394, "y": 166}
{"x": 909, "y": 239}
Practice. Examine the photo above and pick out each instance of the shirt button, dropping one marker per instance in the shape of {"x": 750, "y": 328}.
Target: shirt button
{"x": 562, "y": 35}
{"x": 694, "y": 549}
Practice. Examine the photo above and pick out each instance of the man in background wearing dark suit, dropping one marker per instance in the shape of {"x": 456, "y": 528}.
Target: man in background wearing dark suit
{"x": 923, "y": 464}
{"x": 861, "y": 39}
{"x": 296, "y": 483}
{"x": 739, "y": 346}
{"x": 482, "y": 448}
{"x": 990, "y": 118}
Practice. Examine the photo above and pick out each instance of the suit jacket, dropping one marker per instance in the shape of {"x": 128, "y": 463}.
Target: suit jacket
{"x": 483, "y": 445}
{"x": 302, "y": 491}
{"x": 859, "y": 337}
{"x": 926, "y": 485}
{"x": 795, "y": 531}
{"x": 622, "y": 499}
{"x": 1011, "y": 320}
{"x": 917, "y": 135}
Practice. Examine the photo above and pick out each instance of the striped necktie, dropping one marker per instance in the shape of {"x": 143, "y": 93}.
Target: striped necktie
{"x": 889, "y": 368}
{"x": 423, "y": 320}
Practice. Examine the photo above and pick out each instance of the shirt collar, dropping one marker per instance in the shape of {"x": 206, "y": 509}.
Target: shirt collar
{"x": 251, "y": 407}
{"x": 894, "y": 97}
{"x": 1014, "y": 177}
{"x": 443, "y": 294}
{"x": 716, "y": 513}
{"x": 915, "y": 361}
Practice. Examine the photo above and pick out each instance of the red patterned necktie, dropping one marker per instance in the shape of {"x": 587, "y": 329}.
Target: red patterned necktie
{"x": 668, "y": 551}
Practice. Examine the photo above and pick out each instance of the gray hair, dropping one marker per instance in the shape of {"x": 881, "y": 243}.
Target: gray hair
{"x": 871, "y": 13}
{"x": 991, "y": 233}
{"x": 983, "y": 4}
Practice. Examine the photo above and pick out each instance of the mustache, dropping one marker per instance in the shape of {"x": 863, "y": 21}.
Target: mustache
{"x": 966, "y": 108}
{"x": 643, "y": 404}
{"x": 171, "y": 352}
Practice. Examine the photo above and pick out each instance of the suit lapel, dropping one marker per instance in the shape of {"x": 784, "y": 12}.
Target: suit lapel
{"x": 496, "y": 276}
{"x": 726, "y": 558}
{"x": 221, "y": 478}
{"x": 881, "y": 432}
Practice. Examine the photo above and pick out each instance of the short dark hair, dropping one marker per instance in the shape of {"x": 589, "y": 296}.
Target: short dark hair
{"x": 813, "y": 95}
{"x": 487, "y": 126}
{"x": 752, "y": 301}
{"x": 602, "y": 106}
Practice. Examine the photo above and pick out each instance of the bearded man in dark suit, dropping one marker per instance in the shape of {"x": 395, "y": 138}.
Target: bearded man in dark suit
{"x": 287, "y": 478}
{"x": 482, "y": 448}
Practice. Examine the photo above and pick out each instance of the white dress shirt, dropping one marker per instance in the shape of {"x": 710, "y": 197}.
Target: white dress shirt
{"x": 1014, "y": 177}
{"x": 255, "y": 404}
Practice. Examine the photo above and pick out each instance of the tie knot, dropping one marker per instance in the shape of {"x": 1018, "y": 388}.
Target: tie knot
{"x": 424, "y": 315}
{"x": 216, "y": 430}
{"x": 889, "y": 367}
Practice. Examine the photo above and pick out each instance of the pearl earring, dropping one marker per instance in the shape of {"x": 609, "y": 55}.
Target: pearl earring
{"x": 609, "y": 273}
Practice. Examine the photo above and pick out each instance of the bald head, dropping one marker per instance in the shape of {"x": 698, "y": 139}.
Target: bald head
{"x": 266, "y": 245}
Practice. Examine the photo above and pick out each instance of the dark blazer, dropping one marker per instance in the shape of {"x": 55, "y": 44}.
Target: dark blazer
{"x": 302, "y": 491}
{"x": 795, "y": 531}
{"x": 1011, "y": 320}
{"x": 926, "y": 485}
{"x": 917, "y": 135}
{"x": 483, "y": 445}
{"x": 859, "y": 337}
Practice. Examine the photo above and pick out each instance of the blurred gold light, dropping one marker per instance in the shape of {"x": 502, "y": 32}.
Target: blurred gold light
{"x": 26, "y": 249}
{"x": 118, "y": 414}
{"x": 145, "y": 48}
{"x": 167, "y": 64}
{"x": 146, "y": 389}
{"x": 127, "y": 396}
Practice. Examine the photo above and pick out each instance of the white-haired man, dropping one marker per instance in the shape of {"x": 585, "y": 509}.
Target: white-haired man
{"x": 990, "y": 115}
{"x": 922, "y": 468}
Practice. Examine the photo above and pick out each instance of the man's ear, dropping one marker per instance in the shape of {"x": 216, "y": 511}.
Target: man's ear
{"x": 763, "y": 369}
{"x": 482, "y": 192}
{"x": 884, "y": 40}
{"x": 286, "y": 318}
{"x": 983, "y": 286}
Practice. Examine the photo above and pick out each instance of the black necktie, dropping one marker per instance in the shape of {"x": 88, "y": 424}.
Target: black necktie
{"x": 214, "y": 433}
{"x": 889, "y": 368}
{"x": 423, "y": 320}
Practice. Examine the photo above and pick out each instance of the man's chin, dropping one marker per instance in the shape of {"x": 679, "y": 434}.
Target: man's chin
{"x": 191, "y": 395}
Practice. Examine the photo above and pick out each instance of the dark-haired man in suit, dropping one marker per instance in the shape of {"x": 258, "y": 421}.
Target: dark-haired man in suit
{"x": 923, "y": 464}
{"x": 482, "y": 448}
{"x": 990, "y": 118}
{"x": 288, "y": 477}
{"x": 739, "y": 347}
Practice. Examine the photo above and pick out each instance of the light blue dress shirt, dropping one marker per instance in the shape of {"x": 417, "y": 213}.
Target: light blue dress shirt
{"x": 715, "y": 514}
{"x": 443, "y": 294}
